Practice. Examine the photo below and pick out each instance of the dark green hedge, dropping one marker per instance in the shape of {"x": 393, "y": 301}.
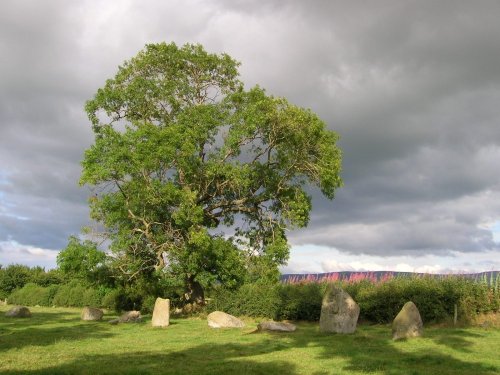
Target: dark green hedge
{"x": 79, "y": 294}
{"x": 32, "y": 295}
{"x": 73, "y": 294}
{"x": 256, "y": 299}
{"x": 379, "y": 303}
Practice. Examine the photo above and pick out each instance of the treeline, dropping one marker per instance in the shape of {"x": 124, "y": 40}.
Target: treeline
{"x": 379, "y": 302}
{"x": 85, "y": 276}
{"x": 16, "y": 276}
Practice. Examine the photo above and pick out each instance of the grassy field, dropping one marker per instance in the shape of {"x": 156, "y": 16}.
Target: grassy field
{"x": 55, "y": 341}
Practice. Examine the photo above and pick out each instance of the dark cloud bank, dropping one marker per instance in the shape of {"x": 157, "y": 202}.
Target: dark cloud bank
{"x": 412, "y": 88}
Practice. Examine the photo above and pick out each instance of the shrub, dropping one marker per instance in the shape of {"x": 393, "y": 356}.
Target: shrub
{"x": 148, "y": 304}
{"x": 32, "y": 295}
{"x": 91, "y": 297}
{"x": 434, "y": 297}
{"x": 76, "y": 294}
{"x": 255, "y": 299}
{"x": 61, "y": 297}
{"x": 14, "y": 276}
{"x": 121, "y": 299}
{"x": 300, "y": 301}
{"x": 110, "y": 299}
{"x": 379, "y": 302}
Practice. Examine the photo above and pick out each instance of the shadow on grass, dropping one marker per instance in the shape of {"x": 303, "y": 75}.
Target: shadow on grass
{"x": 202, "y": 359}
{"x": 39, "y": 317}
{"x": 369, "y": 350}
{"x": 45, "y": 329}
{"x": 454, "y": 338}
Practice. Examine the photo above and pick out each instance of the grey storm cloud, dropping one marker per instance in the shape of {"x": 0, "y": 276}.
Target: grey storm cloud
{"x": 412, "y": 88}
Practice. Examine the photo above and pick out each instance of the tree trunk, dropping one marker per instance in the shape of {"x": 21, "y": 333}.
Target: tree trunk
{"x": 194, "y": 292}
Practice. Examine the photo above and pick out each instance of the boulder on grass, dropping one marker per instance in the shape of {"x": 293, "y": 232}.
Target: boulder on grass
{"x": 161, "y": 313}
{"x": 219, "y": 319}
{"x": 276, "y": 326}
{"x": 131, "y": 317}
{"x": 19, "y": 312}
{"x": 339, "y": 312}
{"x": 127, "y": 317}
{"x": 407, "y": 323}
{"x": 91, "y": 313}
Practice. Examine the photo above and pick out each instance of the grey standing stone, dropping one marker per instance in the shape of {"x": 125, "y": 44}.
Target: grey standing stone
{"x": 407, "y": 323}
{"x": 219, "y": 319}
{"x": 276, "y": 326}
{"x": 131, "y": 317}
{"x": 339, "y": 312}
{"x": 19, "y": 312}
{"x": 127, "y": 317}
{"x": 161, "y": 313}
{"x": 91, "y": 313}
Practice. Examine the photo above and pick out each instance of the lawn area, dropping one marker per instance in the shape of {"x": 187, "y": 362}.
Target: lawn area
{"x": 55, "y": 341}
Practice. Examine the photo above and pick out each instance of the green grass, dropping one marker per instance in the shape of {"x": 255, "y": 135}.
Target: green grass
{"x": 55, "y": 341}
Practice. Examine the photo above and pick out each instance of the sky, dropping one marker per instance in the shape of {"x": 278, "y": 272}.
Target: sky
{"x": 411, "y": 87}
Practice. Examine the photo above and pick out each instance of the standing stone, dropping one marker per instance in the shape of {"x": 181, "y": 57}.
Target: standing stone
{"x": 276, "y": 326}
{"x": 91, "y": 313}
{"x": 219, "y": 319}
{"x": 339, "y": 312}
{"x": 19, "y": 312}
{"x": 407, "y": 323}
{"x": 161, "y": 313}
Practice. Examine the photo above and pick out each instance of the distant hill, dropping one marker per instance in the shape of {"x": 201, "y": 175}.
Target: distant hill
{"x": 490, "y": 277}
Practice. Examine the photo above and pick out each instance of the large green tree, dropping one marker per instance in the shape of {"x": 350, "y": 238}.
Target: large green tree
{"x": 183, "y": 153}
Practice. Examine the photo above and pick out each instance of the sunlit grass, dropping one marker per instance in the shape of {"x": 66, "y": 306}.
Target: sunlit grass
{"x": 55, "y": 341}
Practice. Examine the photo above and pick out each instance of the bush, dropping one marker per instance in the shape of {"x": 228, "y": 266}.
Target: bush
{"x": 47, "y": 278}
{"x": 435, "y": 298}
{"x": 255, "y": 299}
{"x": 148, "y": 304}
{"x": 16, "y": 276}
{"x": 110, "y": 299}
{"x": 379, "y": 302}
{"x": 91, "y": 297}
{"x": 13, "y": 277}
{"x": 121, "y": 299}
{"x": 72, "y": 294}
{"x": 300, "y": 301}
{"x": 76, "y": 294}
{"x": 32, "y": 295}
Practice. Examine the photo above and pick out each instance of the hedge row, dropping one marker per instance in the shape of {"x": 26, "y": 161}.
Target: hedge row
{"x": 73, "y": 294}
{"x": 379, "y": 302}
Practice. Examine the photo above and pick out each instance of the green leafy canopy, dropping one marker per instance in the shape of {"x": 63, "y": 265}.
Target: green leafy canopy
{"x": 183, "y": 151}
{"x": 80, "y": 260}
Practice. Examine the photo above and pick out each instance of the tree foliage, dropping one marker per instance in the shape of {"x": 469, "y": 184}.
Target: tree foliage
{"x": 15, "y": 276}
{"x": 12, "y": 277}
{"x": 183, "y": 152}
{"x": 81, "y": 260}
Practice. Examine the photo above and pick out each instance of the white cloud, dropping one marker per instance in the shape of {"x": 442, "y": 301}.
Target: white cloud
{"x": 12, "y": 252}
